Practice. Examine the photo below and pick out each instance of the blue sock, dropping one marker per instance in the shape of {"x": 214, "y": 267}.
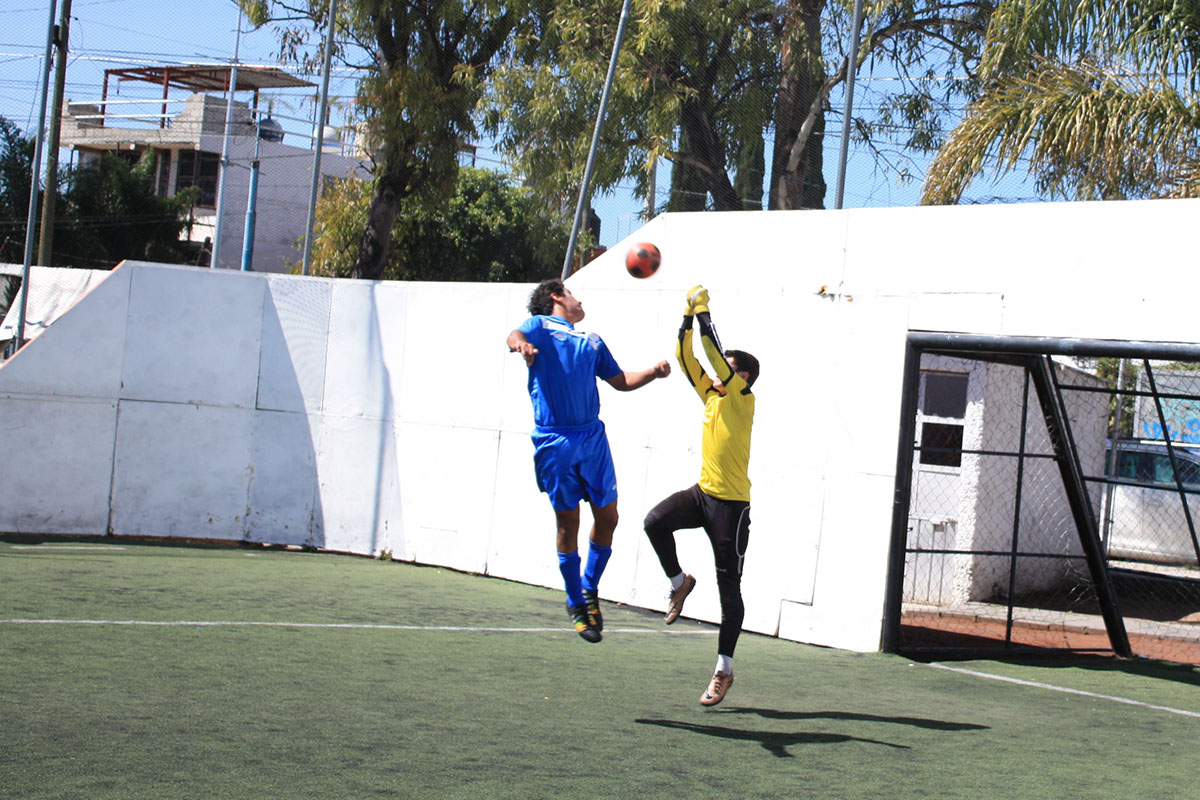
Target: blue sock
{"x": 597, "y": 560}
{"x": 568, "y": 565}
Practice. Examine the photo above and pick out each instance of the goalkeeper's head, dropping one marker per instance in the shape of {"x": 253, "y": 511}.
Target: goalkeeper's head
{"x": 743, "y": 362}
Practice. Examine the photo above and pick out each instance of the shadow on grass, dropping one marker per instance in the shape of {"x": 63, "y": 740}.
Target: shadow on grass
{"x": 775, "y": 743}
{"x": 850, "y": 716}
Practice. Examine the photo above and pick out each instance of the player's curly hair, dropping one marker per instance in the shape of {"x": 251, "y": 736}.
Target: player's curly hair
{"x": 541, "y": 300}
{"x": 745, "y": 363}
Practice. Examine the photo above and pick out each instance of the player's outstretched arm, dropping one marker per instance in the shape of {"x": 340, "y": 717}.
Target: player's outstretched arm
{"x": 517, "y": 343}
{"x": 692, "y": 370}
{"x": 708, "y": 336}
{"x": 628, "y": 381}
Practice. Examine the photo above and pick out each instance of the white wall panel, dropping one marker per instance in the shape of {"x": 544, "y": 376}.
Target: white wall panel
{"x": 295, "y": 335}
{"x": 193, "y": 336}
{"x": 457, "y": 465}
{"x": 58, "y": 459}
{"x": 80, "y": 354}
{"x": 367, "y": 341}
{"x": 283, "y": 496}
{"x": 521, "y": 544}
{"x": 181, "y": 470}
{"x": 359, "y": 500}
{"x": 448, "y": 379}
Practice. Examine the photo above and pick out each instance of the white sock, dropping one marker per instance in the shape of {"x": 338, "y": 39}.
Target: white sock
{"x": 677, "y": 581}
{"x": 725, "y": 664}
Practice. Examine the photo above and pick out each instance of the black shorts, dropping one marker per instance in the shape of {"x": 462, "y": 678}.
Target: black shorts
{"x": 727, "y": 523}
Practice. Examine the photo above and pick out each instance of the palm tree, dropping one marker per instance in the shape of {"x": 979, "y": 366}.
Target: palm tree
{"x": 1098, "y": 96}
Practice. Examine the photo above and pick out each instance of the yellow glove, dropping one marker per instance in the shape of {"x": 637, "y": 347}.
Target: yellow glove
{"x": 697, "y": 300}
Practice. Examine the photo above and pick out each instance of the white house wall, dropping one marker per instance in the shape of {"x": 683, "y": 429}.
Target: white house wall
{"x": 377, "y": 417}
{"x": 281, "y": 204}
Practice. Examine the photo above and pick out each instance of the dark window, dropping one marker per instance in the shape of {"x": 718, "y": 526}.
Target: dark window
{"x": 941, "y": 445}
{"x": 945, "y": 395}
{"x": 199, "y": 168}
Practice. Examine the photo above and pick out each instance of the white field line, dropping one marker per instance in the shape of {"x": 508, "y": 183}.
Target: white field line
{"x": 1054, "y": 688}
{"x": 97, "y": 547}
{"x": 351, "y": 625}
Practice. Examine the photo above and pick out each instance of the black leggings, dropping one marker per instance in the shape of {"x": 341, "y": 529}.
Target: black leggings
{"x": 727, "y": 523}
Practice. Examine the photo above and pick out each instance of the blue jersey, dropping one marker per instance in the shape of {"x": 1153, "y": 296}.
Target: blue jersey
{"x": 562, "y": 379}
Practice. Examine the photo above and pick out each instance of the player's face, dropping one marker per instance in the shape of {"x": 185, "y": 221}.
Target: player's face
{"x": 720, "y": 387}
{"x": 572, "y": 308}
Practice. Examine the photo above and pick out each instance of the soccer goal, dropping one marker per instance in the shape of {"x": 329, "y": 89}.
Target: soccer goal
{"x": 1047, "y": 498}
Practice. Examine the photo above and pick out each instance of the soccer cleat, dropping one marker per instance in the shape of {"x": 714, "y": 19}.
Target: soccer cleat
{"x": 677, "y": 597}
{"x": 583, "y": 623}
{"x": 593, "y": 609}
{"x": 716, "y": 690}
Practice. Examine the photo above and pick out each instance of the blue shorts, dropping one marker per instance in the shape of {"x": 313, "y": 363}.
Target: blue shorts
{"x": 574, "y": 464}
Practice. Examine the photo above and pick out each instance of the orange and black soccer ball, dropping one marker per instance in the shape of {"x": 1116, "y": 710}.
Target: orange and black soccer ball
{"x": 643, "y": 260}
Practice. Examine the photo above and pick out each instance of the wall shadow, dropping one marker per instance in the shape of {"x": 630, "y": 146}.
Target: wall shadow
{"x": 283, "y": 496}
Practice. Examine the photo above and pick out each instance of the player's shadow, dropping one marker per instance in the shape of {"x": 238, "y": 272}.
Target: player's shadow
{"x": 850, "y": 716}
{"x": 775, "y": 743}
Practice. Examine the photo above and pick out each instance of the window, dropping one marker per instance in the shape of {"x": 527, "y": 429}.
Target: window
{"x": 199, "y": 168}
{"x": 941, "y": 444}
{"x": 943, "y": 396}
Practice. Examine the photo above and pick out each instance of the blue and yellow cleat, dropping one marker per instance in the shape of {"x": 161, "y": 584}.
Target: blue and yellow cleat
{"x": 583, "y": 623}
{"x": 593, "y": 609}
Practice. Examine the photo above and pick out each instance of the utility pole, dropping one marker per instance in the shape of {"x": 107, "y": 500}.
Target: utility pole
{"x": 223, "y": 176}
{"x": 319, "y": 142}
{"x": 50, "y": 195}
{"x": 34, "y": 182}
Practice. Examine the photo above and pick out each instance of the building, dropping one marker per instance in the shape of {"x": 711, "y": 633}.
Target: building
{"x": 187, "y": 136}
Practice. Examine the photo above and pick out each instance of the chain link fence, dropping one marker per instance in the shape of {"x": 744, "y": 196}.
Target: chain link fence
{"x": 1049, "y": 508}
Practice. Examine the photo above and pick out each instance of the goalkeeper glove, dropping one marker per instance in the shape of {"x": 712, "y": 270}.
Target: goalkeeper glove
{"x": 697, "y": 300}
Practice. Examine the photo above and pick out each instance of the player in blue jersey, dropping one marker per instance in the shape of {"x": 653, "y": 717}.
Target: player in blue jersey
{"x": 571, "y": 456}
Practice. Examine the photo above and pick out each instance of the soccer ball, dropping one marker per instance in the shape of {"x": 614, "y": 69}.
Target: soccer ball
{"x": 642, "y": 260}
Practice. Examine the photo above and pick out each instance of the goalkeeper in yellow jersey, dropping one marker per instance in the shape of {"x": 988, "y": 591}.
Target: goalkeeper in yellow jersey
{"x": 720, "y": 502}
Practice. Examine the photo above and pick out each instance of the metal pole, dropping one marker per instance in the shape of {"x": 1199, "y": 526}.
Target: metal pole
{"x": 587, "y": 172}
{"x": 320, "y": 141}
{"x": 851, "y": 71}
{"x": 893, "y": 600}
{"x": 34, "y": 181}
{"x": 251, "y": 210}
{"x": 1059, "y": 431}
{"x": 214, "y": 261}
{"x": 50, "y": 195}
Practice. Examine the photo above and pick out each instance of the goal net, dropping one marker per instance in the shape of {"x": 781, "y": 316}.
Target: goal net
{"x": 1047, "y": 498}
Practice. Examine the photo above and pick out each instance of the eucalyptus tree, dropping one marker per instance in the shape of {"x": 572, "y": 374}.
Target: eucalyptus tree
{"x": 705, "y": 83}
{"x": 1096, "y": 99}
{"x": 426, "y": 63}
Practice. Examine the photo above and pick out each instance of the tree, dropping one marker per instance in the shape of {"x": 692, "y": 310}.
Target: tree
{"x": 702, "y": 83}
{"x": 428, "y": 63}
{"x": 693, "y": 86}
{"x": 110, "y": 213}
{"x": 488, "y": 231}
{"x": 1098, "y": 98}
{"x": 16, "y": 168}
{"x": 922, "y": 43}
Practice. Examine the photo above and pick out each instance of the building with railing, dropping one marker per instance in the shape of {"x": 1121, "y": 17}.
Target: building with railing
{"x": 187, "y": 137}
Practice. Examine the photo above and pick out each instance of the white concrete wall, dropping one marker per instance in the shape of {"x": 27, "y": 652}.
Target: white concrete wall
{"x": 372, "y": 417}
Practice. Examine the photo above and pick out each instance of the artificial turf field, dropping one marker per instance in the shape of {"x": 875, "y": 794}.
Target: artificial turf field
{"x": 134, "y": 670}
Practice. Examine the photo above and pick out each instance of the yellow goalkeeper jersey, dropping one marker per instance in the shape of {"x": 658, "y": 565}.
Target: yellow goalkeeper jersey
{"x": 725, "y": 443}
